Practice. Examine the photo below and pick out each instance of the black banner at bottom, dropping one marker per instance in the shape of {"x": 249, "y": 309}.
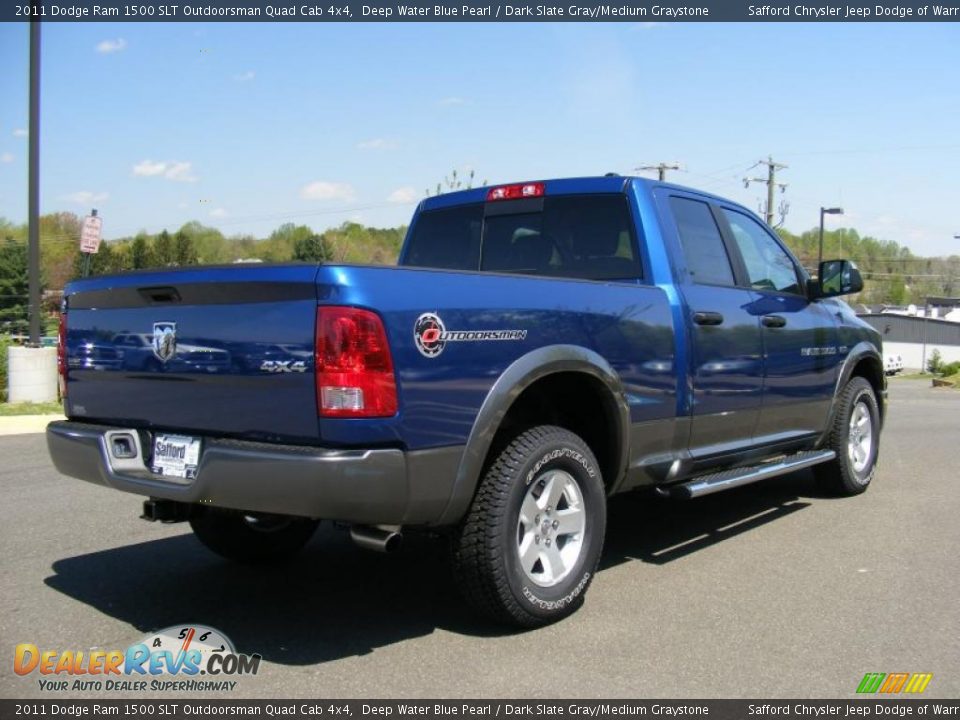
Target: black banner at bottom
{"x": 507, "y": 709}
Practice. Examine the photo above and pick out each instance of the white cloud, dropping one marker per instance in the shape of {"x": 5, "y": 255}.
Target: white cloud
{"x": 451, "y": 101}
{"x": 376, "y": 144}
{"x": 6, "y": 157}
{"x": 180, "y": 172}
{"x": 403, "y": 195}
{"x": 86, "y": 197}
{"x": 175, "y": 170}
{"x": 245, "y": 77}
{"x": 20, "y": 132}
{"x": 322, "y": 190}
{"x": 111, "y": 46}
{"x": 219, "y": 213}
{"x": 148, "y": 168}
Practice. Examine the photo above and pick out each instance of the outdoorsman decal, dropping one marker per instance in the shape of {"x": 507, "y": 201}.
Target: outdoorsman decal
{"x": 431, "y": 336}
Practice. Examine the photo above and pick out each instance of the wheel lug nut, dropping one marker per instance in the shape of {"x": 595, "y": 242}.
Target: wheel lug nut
{"x": 537, "y": 519}
{"x": 548, "y": 542}
{"x": 556, "y": 524}
{"x": 536, "y": 539}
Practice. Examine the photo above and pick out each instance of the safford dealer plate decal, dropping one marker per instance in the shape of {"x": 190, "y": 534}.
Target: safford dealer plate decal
{"x": 176, "y": 456}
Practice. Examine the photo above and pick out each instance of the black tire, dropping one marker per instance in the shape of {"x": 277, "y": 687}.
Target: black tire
{"x": 251, "y": 539}
{"x": 487, "y": 546}
{"x": 847, "y": 474}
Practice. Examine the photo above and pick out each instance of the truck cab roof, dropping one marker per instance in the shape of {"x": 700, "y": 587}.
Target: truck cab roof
{"x": 566, "y": 186}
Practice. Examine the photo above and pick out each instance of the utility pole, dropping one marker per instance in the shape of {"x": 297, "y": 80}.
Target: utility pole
{"x": 661, "y": 169}
{"x": 33, "y": 190}
{"x": 772, "y": 185}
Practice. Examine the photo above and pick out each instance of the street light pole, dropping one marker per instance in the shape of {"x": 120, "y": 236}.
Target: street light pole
{"x": 33, "y": 186}
{"x": 825, "y": 211}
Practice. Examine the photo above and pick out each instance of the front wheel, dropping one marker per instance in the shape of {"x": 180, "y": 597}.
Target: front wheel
{"x": 855, "y": 437}
{"x": 530, "y": 544}
{"x": 251, "y": 538}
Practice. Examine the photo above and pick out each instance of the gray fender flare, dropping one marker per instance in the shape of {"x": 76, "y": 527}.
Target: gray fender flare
{"x": 518, "y": 376}
{"x": 862, "y": 350}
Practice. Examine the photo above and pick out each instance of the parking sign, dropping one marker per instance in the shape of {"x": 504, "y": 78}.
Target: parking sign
{"x": 90, "y": 234}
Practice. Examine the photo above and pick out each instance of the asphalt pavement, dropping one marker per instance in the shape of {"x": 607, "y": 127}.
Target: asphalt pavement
{"x": 771, "y": 590}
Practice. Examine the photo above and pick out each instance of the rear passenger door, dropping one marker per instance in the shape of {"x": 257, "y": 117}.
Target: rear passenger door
{"x": 725, "y": 337}
{"x": 800, "y": 350}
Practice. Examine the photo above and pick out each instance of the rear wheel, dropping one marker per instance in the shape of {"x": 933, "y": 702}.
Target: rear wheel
{"x": 529, "y": 547}
{"x": 854, "y": 437}
{"x": 251, "y": 538}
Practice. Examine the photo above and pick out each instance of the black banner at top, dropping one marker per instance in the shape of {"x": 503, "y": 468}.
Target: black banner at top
{"x": 475, "y": 11}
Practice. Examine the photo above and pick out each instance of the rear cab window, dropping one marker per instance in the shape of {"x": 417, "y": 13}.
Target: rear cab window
{"x": 447, "y": 238}
{"x": 587, "y": 236}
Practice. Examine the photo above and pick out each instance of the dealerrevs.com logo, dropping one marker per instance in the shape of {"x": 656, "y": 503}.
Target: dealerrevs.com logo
{"x": 431, "y": 336}
{"x": 893, "y": 683}
{"x": 178, "y": 658}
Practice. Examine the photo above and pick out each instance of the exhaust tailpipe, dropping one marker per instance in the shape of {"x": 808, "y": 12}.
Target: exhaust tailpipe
{"x": 382, "y": 539}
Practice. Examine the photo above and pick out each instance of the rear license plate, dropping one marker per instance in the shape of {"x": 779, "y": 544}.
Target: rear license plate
{"x": 176, "y": 456}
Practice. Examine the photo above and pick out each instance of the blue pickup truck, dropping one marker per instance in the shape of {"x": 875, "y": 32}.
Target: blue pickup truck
{"x": 541, "y": 347}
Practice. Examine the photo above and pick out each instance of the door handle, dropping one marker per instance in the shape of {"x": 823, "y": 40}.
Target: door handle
{"x": 774, "y": 321}
{"x": 707, "y": 318}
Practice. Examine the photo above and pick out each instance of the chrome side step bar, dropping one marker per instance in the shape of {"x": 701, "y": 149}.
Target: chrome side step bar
{"x": 727, "y": 479}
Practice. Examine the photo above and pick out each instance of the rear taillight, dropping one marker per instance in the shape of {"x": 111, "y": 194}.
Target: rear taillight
{"x": 354, "y": 370}
{"x": 515, "y": 192}
{"x": 62, "y": 354}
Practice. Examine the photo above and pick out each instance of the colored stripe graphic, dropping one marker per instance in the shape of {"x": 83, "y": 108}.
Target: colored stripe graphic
{"x": 894, "y": 682}
{"x": 918, "y": 682}
{"x": 871, "y": 682}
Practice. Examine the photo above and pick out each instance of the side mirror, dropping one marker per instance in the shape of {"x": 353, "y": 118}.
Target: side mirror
{"x": 838, "y": 277}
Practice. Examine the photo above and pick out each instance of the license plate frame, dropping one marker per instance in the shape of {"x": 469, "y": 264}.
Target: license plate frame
{"x": 176, "y": 457}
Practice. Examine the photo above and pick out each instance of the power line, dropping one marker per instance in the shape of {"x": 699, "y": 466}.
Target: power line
{"x": 875, "y": 150}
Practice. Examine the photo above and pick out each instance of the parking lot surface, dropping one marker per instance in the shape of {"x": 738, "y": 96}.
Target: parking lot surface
{"x": 772, "y": 590}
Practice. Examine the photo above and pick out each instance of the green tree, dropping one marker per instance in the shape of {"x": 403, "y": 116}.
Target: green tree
{"x": 897, "y": 291}
{"x": 105, "y": 261}
{"x": 280, "y": 246}
{"x": 14, "y": 287}
{"x": 140, "y": 255}
{"x": 164, "y": 254}
{"x": 313, "y": 248}
{"x": 59, "y": 246}
{"x": 183, "y": 250}
{"x": 209, "y": 245}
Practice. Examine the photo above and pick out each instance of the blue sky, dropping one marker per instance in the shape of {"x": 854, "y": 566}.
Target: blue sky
{"x": 244, "y": 126}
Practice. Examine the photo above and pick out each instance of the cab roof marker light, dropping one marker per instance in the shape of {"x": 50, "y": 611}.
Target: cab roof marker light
{"x": 515, "y": 192}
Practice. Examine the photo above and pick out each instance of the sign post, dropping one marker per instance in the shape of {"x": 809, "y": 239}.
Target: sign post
{"x": 90, "y": 238}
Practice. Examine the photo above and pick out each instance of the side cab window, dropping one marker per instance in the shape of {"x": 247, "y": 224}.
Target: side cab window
{"x": 767, "y": 264}
{"x": 703, "y": 248}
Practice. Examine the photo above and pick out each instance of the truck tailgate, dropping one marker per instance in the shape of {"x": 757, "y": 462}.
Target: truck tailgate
{"x": 224, "y": 351}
